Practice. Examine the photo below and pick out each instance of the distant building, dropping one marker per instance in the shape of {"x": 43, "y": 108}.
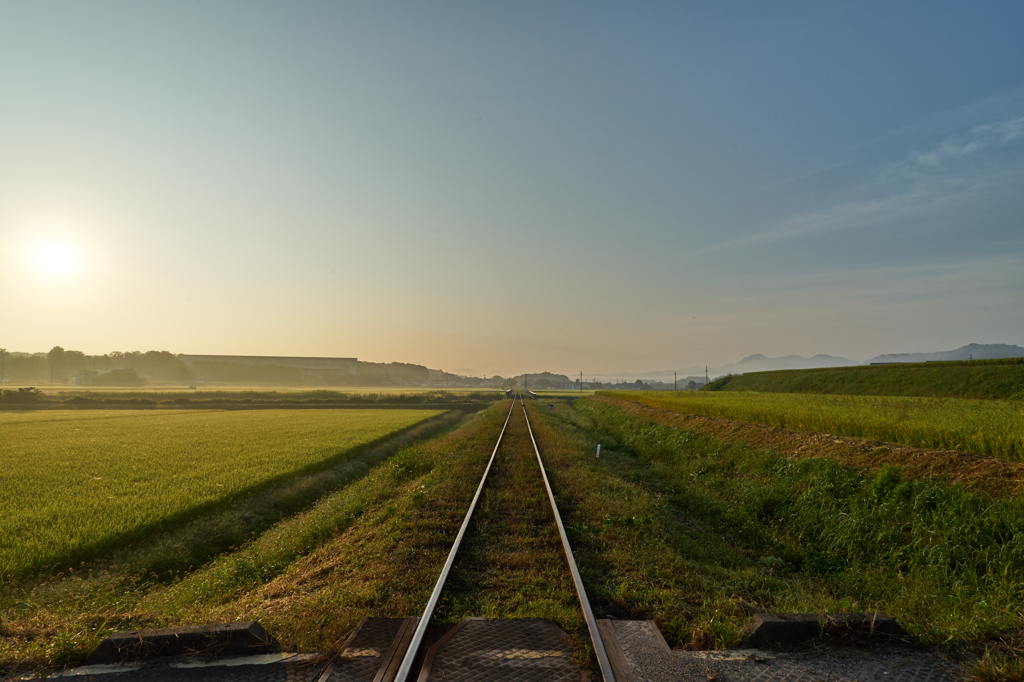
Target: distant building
{"x": 86, "y": 377}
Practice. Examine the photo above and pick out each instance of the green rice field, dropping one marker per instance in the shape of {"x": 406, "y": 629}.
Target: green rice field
{"x": 74, "y": 483}
{"x": 990, "y": 427}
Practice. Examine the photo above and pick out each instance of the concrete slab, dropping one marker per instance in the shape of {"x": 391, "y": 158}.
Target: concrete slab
{"x": 766, "y": 629}
{"x": 220, "y": 640}
{"x": 265, "y": 668}
{"x": 490, "y": 649}
{"x": 650, "y": 660}
{"x": 372, "y": 653}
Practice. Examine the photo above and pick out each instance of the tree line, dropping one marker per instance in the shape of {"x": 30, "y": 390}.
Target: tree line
{"x": 136, "y": 368}
{"x": 61, "y": 366}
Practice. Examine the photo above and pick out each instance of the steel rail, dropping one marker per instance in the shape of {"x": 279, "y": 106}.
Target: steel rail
{"x": 588, "y": 613}
{"x": 421, "y": 627}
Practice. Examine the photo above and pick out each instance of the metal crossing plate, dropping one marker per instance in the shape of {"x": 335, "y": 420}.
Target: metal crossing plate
{"x": 493, "y": 649}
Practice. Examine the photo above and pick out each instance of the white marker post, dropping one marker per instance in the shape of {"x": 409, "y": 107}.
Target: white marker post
{"x": 598, "y": 451}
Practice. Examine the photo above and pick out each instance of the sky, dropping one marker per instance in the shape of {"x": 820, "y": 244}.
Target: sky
{"x": 487, "y": 188}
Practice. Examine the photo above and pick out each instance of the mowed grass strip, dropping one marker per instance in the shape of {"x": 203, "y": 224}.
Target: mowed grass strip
{"x": 76, "y": 484}
{"x": 988, "y": 427}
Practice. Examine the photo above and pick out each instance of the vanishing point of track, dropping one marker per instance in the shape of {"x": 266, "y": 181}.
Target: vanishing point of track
{"x": 408, "y": 661}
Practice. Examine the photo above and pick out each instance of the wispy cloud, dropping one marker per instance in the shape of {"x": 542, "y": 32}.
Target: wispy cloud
{"x": 1005, "y": 131}
{"x": 858, "y": 213}
{"x": 977, "y": 139}
{"x": 921, "y": 181}
{"x": 996, "y": 274}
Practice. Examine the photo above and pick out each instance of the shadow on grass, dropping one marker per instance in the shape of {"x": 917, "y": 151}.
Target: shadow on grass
{"x": 183, "y": 541}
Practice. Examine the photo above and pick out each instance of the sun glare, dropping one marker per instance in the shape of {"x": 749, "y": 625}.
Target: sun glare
{"x": 55, "y": 259}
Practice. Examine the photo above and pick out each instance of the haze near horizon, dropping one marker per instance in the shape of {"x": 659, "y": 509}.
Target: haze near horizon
{"x": 508, "y": 189}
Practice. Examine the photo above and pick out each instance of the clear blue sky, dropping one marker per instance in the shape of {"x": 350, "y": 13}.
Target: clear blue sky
{"x": 510, "y": 187}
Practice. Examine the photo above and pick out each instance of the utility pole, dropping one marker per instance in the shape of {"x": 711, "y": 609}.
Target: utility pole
{"x": 705, "y": 375}
{"x": 675, "y": 381}
{"x": 581, "y": 381}
{"x": 3, "y": 363}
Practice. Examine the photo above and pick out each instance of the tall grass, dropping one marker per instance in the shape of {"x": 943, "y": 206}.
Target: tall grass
{"x": 75, "y": 484}
{"x": 990, "y": 427}
{"x": 755, "y": 528}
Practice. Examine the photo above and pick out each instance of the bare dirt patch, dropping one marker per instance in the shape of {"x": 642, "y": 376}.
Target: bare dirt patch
{"x": 997, "y": 477}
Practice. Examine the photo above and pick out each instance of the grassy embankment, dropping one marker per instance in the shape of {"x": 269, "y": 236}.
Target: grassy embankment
{"x": 982, "y": 379}
{"x": 699, "y": 534}
{"x": 989, "y": 427}
{"x": 76, "y": 484}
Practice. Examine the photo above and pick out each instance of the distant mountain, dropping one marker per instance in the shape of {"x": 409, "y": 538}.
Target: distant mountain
{"x": 978, "y": 351}
{"x": 761, "y": 363}
{"x": 796, "y": 361}
{"x": 755, "y": 363}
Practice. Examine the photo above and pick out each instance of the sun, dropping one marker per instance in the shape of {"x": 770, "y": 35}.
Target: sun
{"x": 55, "y": 258}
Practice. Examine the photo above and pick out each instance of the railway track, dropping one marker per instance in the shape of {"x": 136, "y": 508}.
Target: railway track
{"x": 412, "y": 654}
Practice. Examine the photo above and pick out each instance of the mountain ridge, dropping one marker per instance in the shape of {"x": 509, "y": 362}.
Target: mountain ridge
{"x": 976, "y": 351}
{"x": 762, "y": 363}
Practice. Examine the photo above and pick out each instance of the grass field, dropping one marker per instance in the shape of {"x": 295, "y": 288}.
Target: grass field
{"x": 50, "y": 396}
{"x": 180, "y": 388}
{"x": 668, "y": 524}
{"x": 985, "y": 379}
{"x": 290, "y": 390}
{"x": 991, "y": 427}
{"x": 77, "y": 483}
{"x": 699, "y": 534}
{"x": 371, "y": 545}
